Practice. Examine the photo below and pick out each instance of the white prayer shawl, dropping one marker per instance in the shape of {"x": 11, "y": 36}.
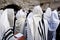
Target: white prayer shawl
{"x": 36, "y": 25}
{"x": 37, "y": 16}
{"x": 33, "y": 24}
{"x": 2, "y": 30}
{"x": 11, "y": 17}
{"x": 20, "y": 13}
{"x": 21, "y": 17}
{"x": 1, "y": 11}
{"x": 4, "y": 20}
{"x": 30, "y": 27}
{"x": 4, "y": 23}
{"x": 47, "y": 16}
{"x": 54, "y": 20}
{"x": 13, "y": 38}
{"x": 1, "y": 26}
{"x": 46, "y": 28}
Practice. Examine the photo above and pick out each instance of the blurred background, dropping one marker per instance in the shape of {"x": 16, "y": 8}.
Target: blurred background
{"x": 28, "y": 4}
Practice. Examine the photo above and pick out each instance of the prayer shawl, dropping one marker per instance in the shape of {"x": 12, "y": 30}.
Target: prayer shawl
{"x": 30, "y": 27}
{"x": 5, "y": 24}
{"x": 47, "y": 16}
{"x": 34, "y": 24}
{"x": 1, "y": 11}
{"x": 11, "y": 17}
{"x": 54, "y": 20}
{"x": 20, "y": 22}
{"x": 4, "y": 20}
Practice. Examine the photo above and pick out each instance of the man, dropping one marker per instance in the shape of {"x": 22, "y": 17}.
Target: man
{"x": 54, "y": 23}
{"x": 47, "y": 16}
{"x": 5, "y": 25}
{"x": 20, "y": 22}
{"x": 35, "y": 28}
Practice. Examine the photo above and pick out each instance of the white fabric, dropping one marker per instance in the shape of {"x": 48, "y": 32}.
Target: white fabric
{"x": 46, "y": 28}
{"x": 2, "y": 30}
{"x": 1, "y": 11}
{"x": 4, "y": 20}
{"x": 4, "y": 23}
{"x": 11, "y": 16}
{"x": 13, "y": 38}
{"x": 33, "y": 24}
{"x": 47, "y": 17}
{"x": 54, "y": 21}
{"x": 20, "y": 13}
{"x": 30, "y": 27}
{"x": 21, "y": 17}
{"x": 37, "y": 15}
{"x": 37, "y": 11}
{"x": 30, "y": 15}
{"x": 47, "y": 14}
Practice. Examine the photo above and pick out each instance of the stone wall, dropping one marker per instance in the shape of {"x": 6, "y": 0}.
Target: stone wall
{"x": 29, "y": 4}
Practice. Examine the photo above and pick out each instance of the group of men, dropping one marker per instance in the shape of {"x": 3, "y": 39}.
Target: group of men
{"x": 34, "y": 25}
